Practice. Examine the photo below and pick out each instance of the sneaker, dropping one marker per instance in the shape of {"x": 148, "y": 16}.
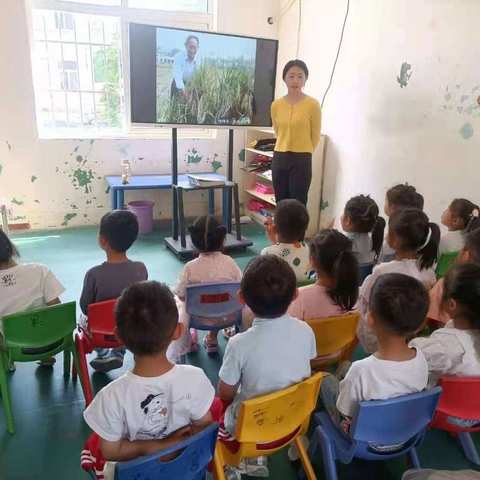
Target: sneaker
{"x": 292, "y": 453}
{"x": 254, "y": 467}
{"x": 229, "y": 332}
{"x": 210, "y": 347}
{"x": 232, "y": 473}
{"x": 48, "y": 362}
{"x": 107, "y": 363}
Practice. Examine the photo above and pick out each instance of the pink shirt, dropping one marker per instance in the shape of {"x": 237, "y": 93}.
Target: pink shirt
{"x": 435, "y": 311}
{"x": 313, "y": 302}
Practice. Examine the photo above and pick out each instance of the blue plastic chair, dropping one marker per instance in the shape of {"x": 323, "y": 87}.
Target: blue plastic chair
{"x": 190, "y": 464}
{"x": 382, "y": 429}
{"x": 365, "y": 269}
{"x": 214, "y": 306}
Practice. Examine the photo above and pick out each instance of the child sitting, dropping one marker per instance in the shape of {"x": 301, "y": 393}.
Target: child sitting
{"x": 211, "y": 265}
{"x": 470, "y": 253}
{"x": 364, "y": 227}
{"x": 460, "y": 217}
{"x": 25, "y": 286}
{"x": 336, "y": 290}
{"x": 156, "y": 404}
{"x": 399, "y": 197}
{"x": 118, "y": 230}
{"x": 455, "y": 349}
{"x": 397, "y": 307}
{"x": 276, "y": 351}
{"x": 415, "y": 242}
{"x": 287, "y": 233}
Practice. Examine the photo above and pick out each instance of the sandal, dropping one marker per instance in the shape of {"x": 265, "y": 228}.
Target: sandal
{"x": 229, "y": 332}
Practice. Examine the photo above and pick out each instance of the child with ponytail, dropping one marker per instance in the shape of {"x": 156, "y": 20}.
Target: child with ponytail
{"x": 415, "y": 243}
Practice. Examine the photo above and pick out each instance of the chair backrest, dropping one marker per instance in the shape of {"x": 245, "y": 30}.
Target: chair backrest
{"x": 305, "y": 283}
{"x": 364, "y": 270}
{"x": 101, "y": 317}
{"x": 460, "y": 397}
{"x": 213, "y": 306}
{"x": 333, "y": 334}
{"x": 40, "y": 331}
{"x": 397, "y": 420}
{"x": 444, "y": 263}
{"x": 277, "y": 415}
{"x": 190, "y": 464}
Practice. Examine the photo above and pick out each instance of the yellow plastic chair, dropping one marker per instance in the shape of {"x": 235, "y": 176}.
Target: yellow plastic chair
{"x": 336, "y": 338}
{"x": 271, "y": 422}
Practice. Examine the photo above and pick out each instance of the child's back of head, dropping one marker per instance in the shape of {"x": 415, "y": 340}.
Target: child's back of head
{"x": 472, "y": 246}
{"x": 399, "y": 304}
{"x": 119, "y": 229}
{"x": 409, "y": 230}
{"x": 7, "y": 249}
{"x": 462, "y": 214}
{"x": 402, "y": 196}
{"x": 361, "y": 214}
{"x": 332, "y": 256}
{"x": 268, "y": 286}
{"x": 147, "y": 316}
{"x": 207, "y": 234}
{"x": 291, "y": 221}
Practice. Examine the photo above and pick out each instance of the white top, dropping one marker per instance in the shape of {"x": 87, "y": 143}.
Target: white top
{"x": 452, "y": 242}
{"x": 27, "y": 286}
{"x": 408, "y": 267}
{"x": 375, "y": 379}
{"x": 144, "y": 408}
{"x": 297, "y": 256}
{"x": 184, "y": 68}
{"x": 362, "y": 247}
{"x": 273, "y": 354}
{"x": 450, "y": 351}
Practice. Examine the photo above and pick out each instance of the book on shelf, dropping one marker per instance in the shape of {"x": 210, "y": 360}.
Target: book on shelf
{"x": 198, "y": 180}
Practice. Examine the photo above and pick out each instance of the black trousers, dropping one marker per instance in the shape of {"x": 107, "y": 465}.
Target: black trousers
{"x": 291, "y": 175}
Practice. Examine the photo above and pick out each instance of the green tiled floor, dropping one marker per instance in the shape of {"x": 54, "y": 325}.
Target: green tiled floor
{"x": 48, "y": 410}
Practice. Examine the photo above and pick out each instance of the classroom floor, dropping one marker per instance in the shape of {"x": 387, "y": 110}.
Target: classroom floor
{"x": 48, "y": 410}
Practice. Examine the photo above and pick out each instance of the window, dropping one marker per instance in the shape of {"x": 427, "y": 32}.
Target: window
{"x": 80, "y": 65}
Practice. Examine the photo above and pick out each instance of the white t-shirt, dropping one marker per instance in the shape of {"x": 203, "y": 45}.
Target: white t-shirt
{"x": 450, "y": 351}
{"x": 362, "y": 247}
{"x": 145, "y": 408}
{"x": 273, "y": 354}
{"x": 375, "y": 379}
{"x": 297, "y": 256}
{"x": 452, "y": 242}
{"x": 408, "y": 267}
{"x": 27, "y": 286}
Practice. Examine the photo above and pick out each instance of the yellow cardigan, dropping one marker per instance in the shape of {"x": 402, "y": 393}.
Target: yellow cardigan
{"x": 297, "y": 126}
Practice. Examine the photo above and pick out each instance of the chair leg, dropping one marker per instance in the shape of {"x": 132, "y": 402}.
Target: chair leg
{"x": 414, "y": 458}
{"x": 328, "y": 456}
{"x": 5, "y": 392}
{"x": 469, "y": 447}
{"x": 307, "y": 466}
{"x": 67, "y": 361}
{"x": 218, "y": 472}
{"x": 80, "y": 359}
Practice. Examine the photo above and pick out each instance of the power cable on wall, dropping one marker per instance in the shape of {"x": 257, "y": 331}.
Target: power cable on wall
{"x": 299, "y": 28}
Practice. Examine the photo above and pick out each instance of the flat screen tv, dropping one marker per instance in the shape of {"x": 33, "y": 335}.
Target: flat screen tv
{"x": 189, "y": 77}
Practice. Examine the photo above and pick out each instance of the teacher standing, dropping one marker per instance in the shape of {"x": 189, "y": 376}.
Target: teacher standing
{"x": 296, "y": 120}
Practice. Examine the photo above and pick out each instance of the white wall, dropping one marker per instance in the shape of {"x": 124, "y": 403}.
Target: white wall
{"x": 40, "y": 175}
{"x": 379, "y": 133}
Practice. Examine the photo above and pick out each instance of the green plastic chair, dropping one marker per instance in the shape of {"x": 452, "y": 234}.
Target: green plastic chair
{"x": 35, "y": 335}
{"x": 444, "y": 263}
{"x": 304, "y": 283}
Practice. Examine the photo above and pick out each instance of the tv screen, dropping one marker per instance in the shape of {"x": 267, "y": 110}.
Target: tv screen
{"x": 188, "y": 77}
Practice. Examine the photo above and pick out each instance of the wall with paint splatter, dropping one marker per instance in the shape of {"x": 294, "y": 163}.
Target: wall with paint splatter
{"x": 403, "y": 105}
{"x": 60, "y": 183}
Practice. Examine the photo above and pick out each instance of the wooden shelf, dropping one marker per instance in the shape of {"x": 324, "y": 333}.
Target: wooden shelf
{"x": 257, "y": 174}
{"x": 268, "y": 198}
{"x": 259, "y": 152}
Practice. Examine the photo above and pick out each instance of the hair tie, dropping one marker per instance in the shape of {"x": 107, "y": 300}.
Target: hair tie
{"x": 429, "y": 236}
{"x": 475, "y": 213}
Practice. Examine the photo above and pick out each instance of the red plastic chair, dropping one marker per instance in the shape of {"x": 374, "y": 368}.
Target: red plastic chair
{"x": 460, "y": 399}
{"x": 100, "y": 333}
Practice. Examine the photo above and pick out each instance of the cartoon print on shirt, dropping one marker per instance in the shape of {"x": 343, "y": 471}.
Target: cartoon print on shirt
{"x": 155, "y": 421}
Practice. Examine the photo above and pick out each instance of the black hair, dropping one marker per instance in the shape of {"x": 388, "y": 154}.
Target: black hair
{"x": 331, "y": 253}
{"x": 399, "y": 302}
{"x": 291, "y": 220}
{"x": 472, "y": 245}
{"x": 412, "y": 228}
{"x": 192, "y": 37}
{"x": 363, "y": 212}
{"x": 146, "y": 315}
{"x": 268, "y": 286}
{"x": 405, "y": 196}
{"x": 467, "y": 211}
{"x": 7, "y": 248}
{"x": 462, "y": 284}
{"x": 207, "y": 234}
{"x": 120, "y": 229}
{"x": 295, "y": 63}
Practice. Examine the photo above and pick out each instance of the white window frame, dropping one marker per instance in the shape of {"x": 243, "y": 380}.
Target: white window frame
{"x": 195, "y": 21}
